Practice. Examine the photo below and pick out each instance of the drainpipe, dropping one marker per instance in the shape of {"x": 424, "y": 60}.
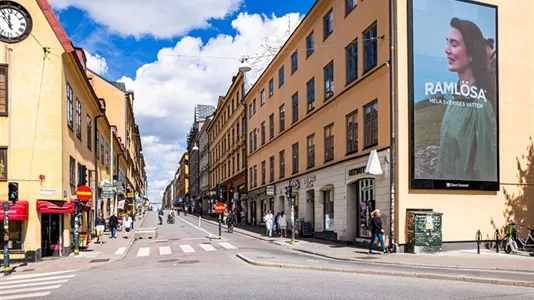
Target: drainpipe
{"x": 392, "y": 152}
{"x": 96, "y": 167}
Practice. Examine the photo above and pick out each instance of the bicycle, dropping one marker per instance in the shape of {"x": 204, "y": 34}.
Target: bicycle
{"x": 517, "y": 243}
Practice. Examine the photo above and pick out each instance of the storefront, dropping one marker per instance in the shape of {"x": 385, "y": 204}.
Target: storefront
{"x": 255, "y": 199}
{"x": 18, "y": 219}
{"x": 231, "y": 189}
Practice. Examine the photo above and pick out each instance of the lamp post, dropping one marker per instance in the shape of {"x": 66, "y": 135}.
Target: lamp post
{"x": 245, "y": 67}
{"x": 195, "y": 148}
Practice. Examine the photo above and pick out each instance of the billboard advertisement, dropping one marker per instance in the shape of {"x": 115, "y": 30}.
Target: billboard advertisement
{"x": 454, "y": 97}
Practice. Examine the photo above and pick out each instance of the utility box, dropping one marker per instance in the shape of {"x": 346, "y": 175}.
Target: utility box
{"x": 424, "y": 230}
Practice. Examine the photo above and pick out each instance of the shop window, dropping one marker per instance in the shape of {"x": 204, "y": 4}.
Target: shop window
{"x": 328, "y": 210}
{"x": 271, "y": 205}
{"x": 16, "y": 235}
{"x": 3, "y": 163}
{"x": 72, "y": 171}
{"x": 366, "y": 205}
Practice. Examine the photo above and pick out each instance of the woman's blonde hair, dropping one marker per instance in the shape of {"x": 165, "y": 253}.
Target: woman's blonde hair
{"x": 375, "y": 212}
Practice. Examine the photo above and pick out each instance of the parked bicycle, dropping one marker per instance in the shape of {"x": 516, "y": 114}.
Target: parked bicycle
{"x": 516, "y": 243}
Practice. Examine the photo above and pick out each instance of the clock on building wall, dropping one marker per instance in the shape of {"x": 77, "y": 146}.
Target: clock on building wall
{"x": 15, "y": 22}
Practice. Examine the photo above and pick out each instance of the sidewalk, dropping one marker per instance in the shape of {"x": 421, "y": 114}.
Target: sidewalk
{"x": 97, "y": 255}
{"x": 461, "y": 259}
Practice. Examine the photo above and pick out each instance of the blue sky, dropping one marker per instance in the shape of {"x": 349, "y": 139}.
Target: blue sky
{"x": 139, "y": 43}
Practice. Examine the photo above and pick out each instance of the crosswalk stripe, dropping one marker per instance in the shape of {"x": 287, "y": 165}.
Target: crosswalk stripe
{"x": 227, "y": 246}
{"x": 145, "y": 251}
{"x": 13, "y": 277}
{"x": 120, "y": 251}
{"x": 34, "y": 284}
{"x": 207, "y": 247}
{"x": 8, "y": 283}
{"x": 35, "y": 289}
{"x": 187, "y": 248}
{"x": 26, "y": 296}
{"x": 165, "y": 250}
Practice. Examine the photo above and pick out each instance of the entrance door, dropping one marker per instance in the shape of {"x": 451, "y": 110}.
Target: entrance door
{"x": 253, "y": 215}
{"x": 50, "y": 234}
{"x": 366, "y": 205}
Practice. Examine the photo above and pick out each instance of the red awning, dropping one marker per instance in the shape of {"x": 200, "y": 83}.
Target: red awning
{"x": 18, "y": 212}
{"x": 45, "y": 207}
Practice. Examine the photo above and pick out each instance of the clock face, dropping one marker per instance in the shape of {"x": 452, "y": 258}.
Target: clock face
{"x": 15, "y": 22}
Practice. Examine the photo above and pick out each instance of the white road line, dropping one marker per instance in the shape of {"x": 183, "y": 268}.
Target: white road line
{"x": 207, "y": 247}
{"x": 187, "y": 248}
{"x": 35, "y": 284}
{"x": 165, "y": 250}
{"x": 120, "y": 251}
{"x": 145, "y": 251}
{"x": 35, "y": 289}
{"x": 211, "y": 235}
{"x": 39, "y": 274}
{"x": 26, "y": 296}
{"x": 7, "y": 283}
{"x": 227, "y": 246}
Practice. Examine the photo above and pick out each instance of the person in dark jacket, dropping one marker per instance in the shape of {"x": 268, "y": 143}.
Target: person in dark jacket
{"x": 113, "y": 222}
{"x": 376, "y": 231}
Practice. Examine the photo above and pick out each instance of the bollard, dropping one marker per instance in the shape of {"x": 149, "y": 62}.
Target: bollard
{"x": 479, "y": 240}
{"x": 497, "y": 239}
{"x": 199, "y": 217}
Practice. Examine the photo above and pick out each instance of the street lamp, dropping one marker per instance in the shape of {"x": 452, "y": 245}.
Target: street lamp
{"x": 245, "y": 67}
{"x": 195, "y": 148}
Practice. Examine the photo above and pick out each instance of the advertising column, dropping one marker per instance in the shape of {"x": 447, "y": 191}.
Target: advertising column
{"x": 454, "y": 95}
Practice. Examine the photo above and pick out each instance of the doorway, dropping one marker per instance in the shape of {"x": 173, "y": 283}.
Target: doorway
{"x": 310, "y": 208}
{"x": 366, "y": 205}
{"x": 51, "y": 229}
{"x": 253, "y": 215}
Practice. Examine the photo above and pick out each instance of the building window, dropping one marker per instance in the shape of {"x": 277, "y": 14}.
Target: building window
{"x": 102, "y": 149}
{"x": 329, "y": 142}
{"x": 294, "y": 61}
{"x": 69, "y": 106}
{"x": 80, "y": 174}
{"x": 96, "y": 145}
{"x": 16, "y": 236}
{"x": 352, "y": 61}
{"x": 282, "y": 159}
{"x": 350, "y": 5}
{"x": 255, "y": 176}
{"x": 78, "y": 118}
{"x": 250, "y": 110}
{"x": 251, "y": 176}
{"x": 366, "y": 193}
{"x": 295, "y": 157}
{"x": 295, "y": 110}
{"x": 3, "y": 163}
{"x": 310, "y": 44}
{"x": 263, "y": 132}
{"x": 281, "y": 76}
{"x": 72, "y": 171}
{"x": 271, "y": 169}
{"x": 310, "y": 94}
{"x": 310, "y": 143}
{"x": 370, "y": 51}
{"x": 107, "y": 155}
{"x": 244, "y": 128}
{"x": 271, "y": 87}
{"x": 328, "y": 24}
{"x": 243, "y": 157}
{"x": 262, "y": 96}
{"x": 237, "y": 160}
{"x": 254, "y": 106}
{"x": 352, "y": 132}
{"x": 263, "y": 171}
{"x": 271, "y": 126}
{"x": 282, "y": 117}
{"x": 255, "y": 139}
{"x": 233, "y": 164}
{"x": 371, "y": 124}
{"x": 251, "y": 141}
{"x": 89, "y": 131}
{"x": 3, "y": 90}
{"x": 329, "y": 80}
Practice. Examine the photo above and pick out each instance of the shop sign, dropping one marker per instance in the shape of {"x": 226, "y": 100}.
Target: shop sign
{"x": 47, "y": 192}
{"x": 270, "y": 190}
{"x": 308, "y": 182}
{"x": 357, "y": 171}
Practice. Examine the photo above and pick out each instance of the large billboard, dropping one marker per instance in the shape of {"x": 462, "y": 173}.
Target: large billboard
{"x": 454, "y": 95}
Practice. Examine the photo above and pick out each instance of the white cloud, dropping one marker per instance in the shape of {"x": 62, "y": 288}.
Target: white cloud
{"x": 167, "y": 90}
{"x": 96, "y": 63}
{"x": 160, "y": 19}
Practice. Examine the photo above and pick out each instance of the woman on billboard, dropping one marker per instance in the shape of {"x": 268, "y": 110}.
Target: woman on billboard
{"x": 468, "y": 144}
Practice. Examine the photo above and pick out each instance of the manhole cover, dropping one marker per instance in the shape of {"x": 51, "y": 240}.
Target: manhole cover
{"x": 265, "y": 257}
{"x": 188, "y": 262}
{"x": 169, "y": 260}
{"x": 99, "y": 260}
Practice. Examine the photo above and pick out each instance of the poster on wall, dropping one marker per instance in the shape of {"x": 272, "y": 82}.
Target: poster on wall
{"x": 453, "y": 95}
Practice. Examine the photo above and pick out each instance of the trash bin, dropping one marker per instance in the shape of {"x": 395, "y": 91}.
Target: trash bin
{"x": 424, "y": 230}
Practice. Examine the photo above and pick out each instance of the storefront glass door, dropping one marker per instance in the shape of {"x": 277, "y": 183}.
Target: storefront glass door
{"x": 328, "y": 210}
{"x": 50, "y": 234}
{"x": 366, "y": 205}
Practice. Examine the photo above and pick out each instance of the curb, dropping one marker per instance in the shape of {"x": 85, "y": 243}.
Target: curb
{"x": 397, "y": 274}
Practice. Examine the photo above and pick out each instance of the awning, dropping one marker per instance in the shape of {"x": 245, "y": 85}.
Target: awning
{"x": 45, "y": 207}
{"x": 18, "y": 212}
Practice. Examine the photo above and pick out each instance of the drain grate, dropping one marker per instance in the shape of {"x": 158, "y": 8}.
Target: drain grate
{"x": 99, "y": 260}
{"x": 169, "y": 260}
{"x": 188, "y": 262}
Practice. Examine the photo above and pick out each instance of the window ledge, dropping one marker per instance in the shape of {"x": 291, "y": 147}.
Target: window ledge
{"x": 370, "y": 146}
{"x": 351, "y": 152}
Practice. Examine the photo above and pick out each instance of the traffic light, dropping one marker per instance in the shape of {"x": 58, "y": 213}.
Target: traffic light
{"x": 13, "y": 194}
{"x": 83, "y": 175}
{"x": 218, "y": 190}
{"x": 289, "y": 191}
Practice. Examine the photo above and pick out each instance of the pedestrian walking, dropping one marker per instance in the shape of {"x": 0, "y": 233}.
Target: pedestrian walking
{"x": 376, "y": 231}
{"x": 282, "y": 222}
{"x": 132, "y": 215}
{"x": 113, "y": 222}
{"x": 100, "y": 223}
{"x": 127, "y": 223}
{"x": 269, "y": 220}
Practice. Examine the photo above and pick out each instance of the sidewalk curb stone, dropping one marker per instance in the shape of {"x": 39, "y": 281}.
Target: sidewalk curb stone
{"x": 397, "y": 274}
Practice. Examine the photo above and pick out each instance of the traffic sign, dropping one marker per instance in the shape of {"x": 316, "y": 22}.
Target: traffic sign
{"x": 84, "y": 193}
{"x": 219, "y": 207}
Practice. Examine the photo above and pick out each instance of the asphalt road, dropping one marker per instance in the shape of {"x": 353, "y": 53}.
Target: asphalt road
{"x": 186, "y": 270}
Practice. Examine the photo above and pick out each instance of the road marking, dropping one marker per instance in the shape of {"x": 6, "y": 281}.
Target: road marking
{"x": 227, "y": 246}
{"x": 15, "y": 285}
{"x": 209, "y": 233}
{"x": 145, "y": 251}
{"x": 13, "y": 277}
{"x": 165, "y": 250}
{"x": 207, "y": 247}
{"x": 26, "y": 296}
{"x": 187, "y": 248}
{"x": 120, "y": 251}
{"x": 35, "y": 289}
{"x": 5, "y": 283}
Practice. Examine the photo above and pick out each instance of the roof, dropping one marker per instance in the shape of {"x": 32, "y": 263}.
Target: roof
{"x": 52, "y": 19}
